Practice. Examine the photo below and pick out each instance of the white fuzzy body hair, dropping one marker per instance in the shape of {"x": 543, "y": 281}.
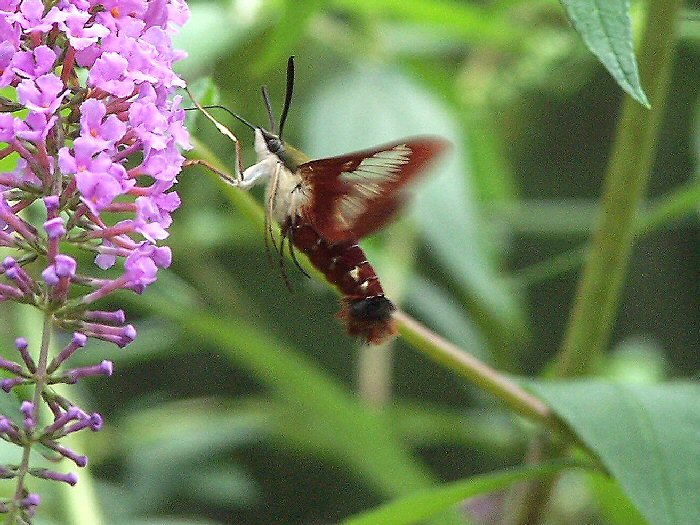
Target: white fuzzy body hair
{"x": 286, "y": 192}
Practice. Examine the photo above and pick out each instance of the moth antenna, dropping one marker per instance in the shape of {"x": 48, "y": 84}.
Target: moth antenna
{"x": 268, "y": 107}
{"x": 227, "y": 133}
{"x": 222, "y": 129}
{"x": 234, "y": 115}
{"x": 288, "y": 95}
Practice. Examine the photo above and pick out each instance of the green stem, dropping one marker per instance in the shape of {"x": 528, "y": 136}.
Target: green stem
{"x": 475, "y": 371}
{"x": 599, "y": 289}
{"x": 80, "y": 505}
{"x": 39, "y": 386}
{"x": 598, "y": 295}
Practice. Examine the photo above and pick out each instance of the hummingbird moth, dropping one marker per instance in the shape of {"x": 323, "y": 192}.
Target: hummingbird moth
{"x": 325, "y": 206}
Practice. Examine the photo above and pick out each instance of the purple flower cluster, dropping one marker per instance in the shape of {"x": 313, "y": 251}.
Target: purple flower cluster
{"x": 89, "y": 119}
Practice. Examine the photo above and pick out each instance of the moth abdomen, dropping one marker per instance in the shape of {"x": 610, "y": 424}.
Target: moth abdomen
{"x": 366, "y": 311}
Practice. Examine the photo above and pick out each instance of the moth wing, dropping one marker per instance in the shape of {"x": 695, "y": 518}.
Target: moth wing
{"x": 356, "y": 194}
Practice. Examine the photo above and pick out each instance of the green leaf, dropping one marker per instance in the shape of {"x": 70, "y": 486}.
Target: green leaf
{"x": 605, "y": 27}
{"x": 614, "y": 503}
{"x": 426, "y": 503}
{"x": 9, "y": 404}
{"x": 425, "y": 425}
{"x": 636, "y": 360}
{"x": 677, "y": 204}
{"x": 646, "y": 436}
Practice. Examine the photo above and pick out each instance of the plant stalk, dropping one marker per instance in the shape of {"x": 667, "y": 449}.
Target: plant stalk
{"x": 39, "y": 386}
{"x": 477, "y": 372}
{"x": 598, "y": 296}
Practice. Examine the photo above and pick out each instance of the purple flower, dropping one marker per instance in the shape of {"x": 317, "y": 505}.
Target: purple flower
{"x": 153, "y": 214}
{"x": 29, "y": 412}
{"x": 64, "y": 267}
{"x": 99, "y": 179}
{"x": 123, "y": 15}
{"x": 31, "y": 16}
{"x": 142, "y": 265}
{"x": 35, "y": 127}
{"x": 71, "y": 478}
{"x": 79, "y": 341}
{"x": 42, "y": 95}
{"x": 7, "y": 52}
{"x": 149, "y": 124}
{"x": 177, "y": 124}
{"x": 161, "y": 164}
{"x": 7, "y": 127}
{"x": 32, "y": 500}
{"x": 33, "y": 64}
{"x": 108, "y": 255}
{"x": 109, "y": 73}
{"x": 55, "y": 228}
{"x": 72, "y": 21}
{"x": 9, "y": 31}
{"x": 97, "y": 132}
{"x": 104, "y": 136}
{"x": 104, "y": 368}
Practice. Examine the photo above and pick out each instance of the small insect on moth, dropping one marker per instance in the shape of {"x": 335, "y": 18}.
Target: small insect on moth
{"x": 325, "y": 206}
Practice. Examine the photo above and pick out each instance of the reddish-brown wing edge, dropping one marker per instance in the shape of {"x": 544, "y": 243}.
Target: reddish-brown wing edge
{"x": 323, "y": 175}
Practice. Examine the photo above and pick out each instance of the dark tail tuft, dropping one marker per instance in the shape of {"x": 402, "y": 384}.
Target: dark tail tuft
{"x": 369, "y": 318}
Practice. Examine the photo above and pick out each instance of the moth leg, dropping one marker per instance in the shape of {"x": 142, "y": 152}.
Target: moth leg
{"x": 257, "y": 173}
{"x": 268, "y": 252}
{"x": 252, "y": 176}
{"x": 224, "y": 176}
{"x": 226, "y": 132}
{"x": 269, "y": 233}
{"x": 283, "y": 268}
{"x": 292, "y": 253}
{"x": 271, "y": 199}
{"x": 239, "y": 160}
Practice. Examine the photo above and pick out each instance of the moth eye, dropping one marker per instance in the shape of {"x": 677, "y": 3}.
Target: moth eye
{"x": 274, "y": 144}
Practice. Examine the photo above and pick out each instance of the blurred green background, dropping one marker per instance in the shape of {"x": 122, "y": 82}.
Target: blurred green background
{"x": 241, "y": 402}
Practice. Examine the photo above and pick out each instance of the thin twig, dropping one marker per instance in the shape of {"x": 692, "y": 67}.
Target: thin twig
{"x": 476, "y": 371}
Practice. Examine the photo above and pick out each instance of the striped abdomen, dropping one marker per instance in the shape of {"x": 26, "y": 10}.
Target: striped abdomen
{"x": 366, "y": 311}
